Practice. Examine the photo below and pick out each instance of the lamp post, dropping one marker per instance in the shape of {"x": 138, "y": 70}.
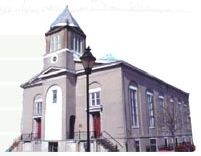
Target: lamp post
{"x": 88, "y": 61}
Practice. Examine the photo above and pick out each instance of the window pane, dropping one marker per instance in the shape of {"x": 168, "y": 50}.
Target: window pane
{"x": 150, "y": 102}
{"x": 54, "y": 96}
{"x": 59, "y": 42}
{"x": 98, "y": 101}
{"x": 95, "y": 98}
{"x": 133, "y": 104}
{"x": 51, "y": 43}
{"x": 93, "y": 102}
{"x": 153, "y": 141}
{"x": 37, "y": 106}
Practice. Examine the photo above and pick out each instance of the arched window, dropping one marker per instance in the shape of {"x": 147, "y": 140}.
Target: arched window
{"x": 161, "y": 109}
{"x": 38, "y": 106}
{"x": 150, "y": 105}
{"x": 55, "y": 42}
{"x": 133, "y": 106}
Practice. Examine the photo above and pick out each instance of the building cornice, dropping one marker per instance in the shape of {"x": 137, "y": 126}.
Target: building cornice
{"x": 121, "y": 63}
{"x": 45, "y": 74}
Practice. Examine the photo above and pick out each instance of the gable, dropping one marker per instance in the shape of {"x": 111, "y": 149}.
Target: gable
{"x": 45, "y": 73}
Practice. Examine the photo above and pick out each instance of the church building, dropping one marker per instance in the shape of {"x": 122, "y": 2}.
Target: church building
{"x": 127, "y": 105}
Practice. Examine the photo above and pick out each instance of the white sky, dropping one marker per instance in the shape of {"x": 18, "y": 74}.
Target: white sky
{"x": 162, "y": 37}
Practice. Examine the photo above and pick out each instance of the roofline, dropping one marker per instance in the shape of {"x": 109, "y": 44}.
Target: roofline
{"x": 104, "y": 66}
{"x": 101, "y": 67}
{"x": 151, "y": 76}
{"x": 126, "y": 64}
{"x": 59, "y": 28}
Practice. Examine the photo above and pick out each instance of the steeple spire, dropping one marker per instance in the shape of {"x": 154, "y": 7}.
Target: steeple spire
{"x": 65, "y": 19}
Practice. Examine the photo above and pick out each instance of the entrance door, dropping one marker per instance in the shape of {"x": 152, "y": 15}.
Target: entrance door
{"x": 96, "y": 125}
{"x": 38, "y": 128}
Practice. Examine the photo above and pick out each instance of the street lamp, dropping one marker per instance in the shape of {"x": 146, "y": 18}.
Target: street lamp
{"x": 88, "y": 61}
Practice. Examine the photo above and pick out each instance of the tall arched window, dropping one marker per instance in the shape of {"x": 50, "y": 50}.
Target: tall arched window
{"x": 133, "y": 106}
{"x": 161, "y": 110}
{"x": 150, "y": 105}
{"x": 38, "y": 105}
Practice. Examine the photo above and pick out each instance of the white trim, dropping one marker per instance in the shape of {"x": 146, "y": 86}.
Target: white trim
{"x": 163, "y": 106}
{"x": 55, "y": 42}
{"x": 38, "y": 98}
{"x": 156, "y": 143}
{"x": 98, "y": 60}
{"x": 153, "y": 109}
{"x": 56, "y": 78}
{"x": 140, "y": 114}
{"x": 99, "y": 67}
{"x": 132, "y": 87}
{"x": 149, "y": 93}
{"x": 94, "y": 90}
{"x": 57, "y": 52}
{"x": 37, "y": 106}
{"x": 52, "y": 73}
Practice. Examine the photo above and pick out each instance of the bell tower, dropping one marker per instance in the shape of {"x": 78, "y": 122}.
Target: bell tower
{"x": 64, "y": 41}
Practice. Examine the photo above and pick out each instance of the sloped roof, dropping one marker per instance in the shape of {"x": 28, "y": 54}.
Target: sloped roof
{"x": 116, "y": 63}
{"x": 65, "y": 19}
{"x": 51, "y": 71}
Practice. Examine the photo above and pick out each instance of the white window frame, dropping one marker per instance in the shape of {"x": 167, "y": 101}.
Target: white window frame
{"x": 163, "y": 105}
{"x": 37, "y": 111}
{"x": 150, "y": 110}
{"x": 156, "y": 143}
{"x": 55, "y": 42}
{"x": 181, "y": 113}
{"x": 81, "y": 46}
{"x": 94, "y": 91}
{"x": 77, "y": 43}
{"x": 134, "y": 114}
{"x": 167, "y": 141}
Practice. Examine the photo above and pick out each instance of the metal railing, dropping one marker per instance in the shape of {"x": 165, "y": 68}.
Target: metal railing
{"x": 82, "y": 135}
{"x": 28, "y": 137}
{"x": 110, "y": 137}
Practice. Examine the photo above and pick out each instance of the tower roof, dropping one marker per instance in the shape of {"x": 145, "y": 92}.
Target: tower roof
{"x": 65, "y": 19}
